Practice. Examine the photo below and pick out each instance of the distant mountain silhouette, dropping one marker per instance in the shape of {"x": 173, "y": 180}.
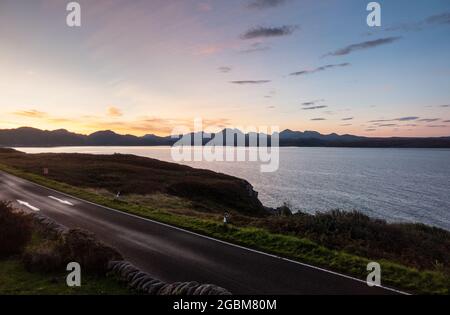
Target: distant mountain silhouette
{"x": 32, "y": 137}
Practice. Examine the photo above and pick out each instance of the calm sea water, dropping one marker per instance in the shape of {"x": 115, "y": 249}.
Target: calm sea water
{"x": 407, "y": 185}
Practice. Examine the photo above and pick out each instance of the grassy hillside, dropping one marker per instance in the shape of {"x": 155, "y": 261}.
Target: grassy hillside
{"x": 129, "y": 174}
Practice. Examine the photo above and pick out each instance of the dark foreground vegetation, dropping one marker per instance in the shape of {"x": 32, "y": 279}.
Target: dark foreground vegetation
{"x": 33, "y": 261}
{"x": 416, "y": 245}
{"x": 414, "y": 257}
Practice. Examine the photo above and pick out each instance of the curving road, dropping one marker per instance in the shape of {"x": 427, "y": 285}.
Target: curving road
{"x": 172, "y": 254}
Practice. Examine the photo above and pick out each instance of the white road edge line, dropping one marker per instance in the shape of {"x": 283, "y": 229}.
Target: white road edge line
{"x": 61, "y": 201}
{"x": 26, "y": 204}
{"x": 213, "y": 239}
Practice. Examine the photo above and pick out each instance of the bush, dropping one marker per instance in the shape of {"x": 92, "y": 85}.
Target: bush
{"x": 53, "y": 255}
{"x": 93, "y": 256}
{"x": 46, "y": 257}
{"x": 414, "y": 245}
{"x": 15, "y": 230}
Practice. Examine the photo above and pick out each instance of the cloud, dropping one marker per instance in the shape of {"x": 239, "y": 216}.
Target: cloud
{"x": 428, "y": 120}
{"x": 207, "y": 50}
{"x": 251, "y": 82}
{"x": 114, "y": 112}
{"x": 312, "y": 103}
{"x": 445, "y": 106}
{"x": 31, "y": 113}
{"x": 146, "y": 125}
{"x": 255, "y": 47}
{"x": 388, "y": 125}
{"x": 225, "y": 69}
{"x": 364, "y": 45}
{"x": 347, "y": 118}
{"x": 346, "y": 125}
{"x": 443, "y": 18}
{"x": 318, "y": 119}
{"x": 319, "y": 69}
{"x": 407, "y": 118}
{"x": 446, "y": 121}
{"x": 314, "y": 107}
{"x": 263, "y": 32}
{"x": 437, "y": 19}
{"x": 437, "y": 126}
{"x": 265, "y": 4}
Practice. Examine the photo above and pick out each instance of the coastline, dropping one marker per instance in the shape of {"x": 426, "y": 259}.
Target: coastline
{"x": 243, "y": 231}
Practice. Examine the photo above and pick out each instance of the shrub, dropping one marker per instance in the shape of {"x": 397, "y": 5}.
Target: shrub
{"x": 414, "y": 245}
{"x": 15, "y": 230}
{"x": 46, "y": 257}
{"x": 53, "y": 255}
{"x": 93, "y": 256}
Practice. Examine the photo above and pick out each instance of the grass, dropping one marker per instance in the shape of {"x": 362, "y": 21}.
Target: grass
{"x": 33, "y": 262}
{"x": 15, "y": 280}
{"x": 294, "y": 247}
{"x": 131, "y": 174}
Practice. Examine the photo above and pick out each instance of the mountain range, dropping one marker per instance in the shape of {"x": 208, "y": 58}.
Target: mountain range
{"x": 32, "y": 137}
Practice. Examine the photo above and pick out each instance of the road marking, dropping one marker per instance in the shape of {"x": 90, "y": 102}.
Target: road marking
{"x": 61, "y": 201}
{"x": 211, "y": 238}
{"x": 26, "y": 204}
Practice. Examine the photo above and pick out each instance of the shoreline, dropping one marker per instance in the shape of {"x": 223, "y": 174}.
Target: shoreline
{"x": 264, "y": 233}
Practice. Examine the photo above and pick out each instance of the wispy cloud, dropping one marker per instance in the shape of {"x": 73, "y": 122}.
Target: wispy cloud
{"x": 314, "y": 107}
{"x": 31, "y": 113}
{"x": 251, "y": 82}
{"x": 388, "y": 125}
{"x": 428, "y": 120}
{"x": 114, "y": 112}
{"x": 312, "y": 103}
{"x": 263, "y": 32}
{"x": 436, "y": 126}
{"x": 318, "y": 119}
{"x": 445, "y": 106}
{"x": 255, "y": 47}
{"x": 407, "y": 118}
{"x": 225, "y": 69}
{"x": 319, "y": 69}
{"x": 437, "y": 19}
{"x": 347, "y": 118}
{"x": 266, "y": 4}
{"x": 443, "y": 18}
{"x": 363, "y": 45}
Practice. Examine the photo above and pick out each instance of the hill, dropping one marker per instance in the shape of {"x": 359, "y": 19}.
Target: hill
{"x": 31, "y": 137}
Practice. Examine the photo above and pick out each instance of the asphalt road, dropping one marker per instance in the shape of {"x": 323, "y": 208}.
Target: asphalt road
{"x": 172, "y": 254}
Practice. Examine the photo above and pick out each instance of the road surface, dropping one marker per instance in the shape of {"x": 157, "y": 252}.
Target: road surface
{"x": 171, "y": 254}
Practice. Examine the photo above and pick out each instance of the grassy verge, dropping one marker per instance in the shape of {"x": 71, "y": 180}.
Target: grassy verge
{"x": 300, "y": 249}
{"x": 15, "y": 280}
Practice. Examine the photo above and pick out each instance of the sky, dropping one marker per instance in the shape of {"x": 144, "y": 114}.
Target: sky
{"x": 146, "y": 67}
